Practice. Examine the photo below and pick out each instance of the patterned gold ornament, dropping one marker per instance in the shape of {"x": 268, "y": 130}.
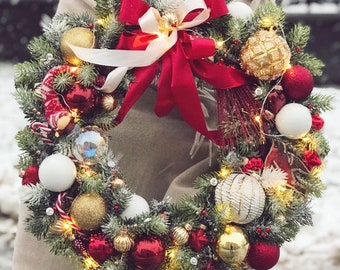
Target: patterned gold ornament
{"x": 180, "y": 234}
{"x": 265, "y": 55}
{"x": 108, "y": 102}
{"x": 123, "y": 242}
{"x": 117, "y": 182}
{"x": 243, "y": 195}
{"x": 77, "y": 36}
{"x": 88, "y": 210}
{"x": 232, "y": 246}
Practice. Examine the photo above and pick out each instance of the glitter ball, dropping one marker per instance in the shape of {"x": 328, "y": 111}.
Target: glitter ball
{"x": 258, "y": 91}
{"x": 193, "y": 261}
{"x": 111, "y": 164}
{"x": 49, "y": 211}
{"x": 213, "y": 181}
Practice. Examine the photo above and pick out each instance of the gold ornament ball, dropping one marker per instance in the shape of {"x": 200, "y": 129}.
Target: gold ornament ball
{"x": 266, "y": 55}
{"x": 180, "y": 235}
{"x": 78, "y": 36}
{"x": 108, "y": 102}
{"x": 123, "y": 242}
{"x": 232, "y": 246}
{"x": 88, "y": 210}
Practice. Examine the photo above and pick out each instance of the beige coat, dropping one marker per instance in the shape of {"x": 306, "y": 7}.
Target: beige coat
{"x": 154, "y": 158}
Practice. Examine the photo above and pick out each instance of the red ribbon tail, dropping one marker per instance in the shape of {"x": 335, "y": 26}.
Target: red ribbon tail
{"x": 143, "y": 78}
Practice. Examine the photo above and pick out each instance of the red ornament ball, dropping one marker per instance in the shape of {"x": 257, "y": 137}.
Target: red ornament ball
{"x": 297, "y": 83}
{"x": 100, "y": 247}
{"x": 31, "y": 175}
{"x": 263, "y": 256}
{"x": 80, "y": 99}
{"x": 148, "y": 253}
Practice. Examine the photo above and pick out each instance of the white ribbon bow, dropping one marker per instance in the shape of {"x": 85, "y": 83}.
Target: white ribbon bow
{"x": 149, "y": 23}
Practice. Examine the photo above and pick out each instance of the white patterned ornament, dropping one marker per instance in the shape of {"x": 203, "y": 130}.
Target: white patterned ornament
{"x": 243, "y": 195}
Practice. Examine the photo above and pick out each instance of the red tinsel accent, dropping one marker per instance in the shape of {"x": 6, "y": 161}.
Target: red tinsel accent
{"x": 198, "y": 240}
{"x": 254, "y": 164}
{"x": 31, "y": 176}
{"x": 311, "y": 159}
{"x": 317, "y": 122}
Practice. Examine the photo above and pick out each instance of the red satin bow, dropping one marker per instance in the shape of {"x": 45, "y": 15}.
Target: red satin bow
{"x": 176, "y": 85}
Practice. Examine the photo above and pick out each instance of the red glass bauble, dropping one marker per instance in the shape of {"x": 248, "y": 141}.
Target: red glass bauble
{"x": 31, "y": 175}
{"x": 297, "y": 83}
{"x": 198, "y": 240}
{"x": 80, "y": 99}
{"x": 100, "y": 247}
{"x": 263, "y": 256}
{"x": 148, "y": 253}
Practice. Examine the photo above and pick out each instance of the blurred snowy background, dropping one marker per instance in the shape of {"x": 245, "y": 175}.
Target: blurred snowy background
{"x": 315, "y": 248}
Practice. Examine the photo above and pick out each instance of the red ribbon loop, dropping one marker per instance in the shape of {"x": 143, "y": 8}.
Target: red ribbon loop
{"x": 176, "y": 85}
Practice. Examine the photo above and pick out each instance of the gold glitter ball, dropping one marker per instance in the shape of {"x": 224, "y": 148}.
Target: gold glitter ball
{"x": 78, "y": 36}
{"x": 88, "y": 210}
{"x": 265, "y": 55}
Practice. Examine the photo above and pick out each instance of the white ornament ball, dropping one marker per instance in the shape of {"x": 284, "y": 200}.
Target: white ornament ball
{"x": 57, "y": 172}
{"x": 137, "y": 206}
{"x": 243, "y": 195}
{"x": 293, "y": 121}
{"x": 239, "y": 10}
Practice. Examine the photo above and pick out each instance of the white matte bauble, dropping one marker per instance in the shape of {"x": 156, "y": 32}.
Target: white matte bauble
{"x": 57, "y": 172}
{"x": 137, "y": 206}
{"x": 293, "y": 121}
{"x": 243, "y": 195}
{"x": 239, "y": 10}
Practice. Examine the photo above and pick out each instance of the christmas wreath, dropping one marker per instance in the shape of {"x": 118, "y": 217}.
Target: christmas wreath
{"x": 84, "y": 76}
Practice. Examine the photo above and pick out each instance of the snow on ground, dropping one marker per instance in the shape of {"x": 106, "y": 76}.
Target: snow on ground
{"x": 315, "y": 248}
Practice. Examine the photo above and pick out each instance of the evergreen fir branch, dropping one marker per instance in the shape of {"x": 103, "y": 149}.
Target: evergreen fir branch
{"x": 236, "y": 30}
{"x": 149, "y": 225}
{"x": 29, "y": 103}
{"x": 104, "y": 120}
{"x": 112, "y": 224}
{"x": 108, "y": 32}
{"x": 63, "y": 81}
{"x": 36, "y": 196}
{"x": 91, "y": 184}
{"x": 113, "y": 265}
{"x": 310, "y": 62}
{"x": 320, "y": 102}
{"x": 24, "y": 161}
{"x": 298, "y": 37}
{"x": 39, "y": 225}
{"x": 40, "y": 49}
{"x": 87, "y": 75}
{"x": 106, "y": 7}
{"x": 59, "y": 245}
{"x": 299, "y": 213}
{"x": 31, "y": 144}
{"x": 27, "y": 74}
{"x": 180, "y": 259}
{"x": 313, "y": 185}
